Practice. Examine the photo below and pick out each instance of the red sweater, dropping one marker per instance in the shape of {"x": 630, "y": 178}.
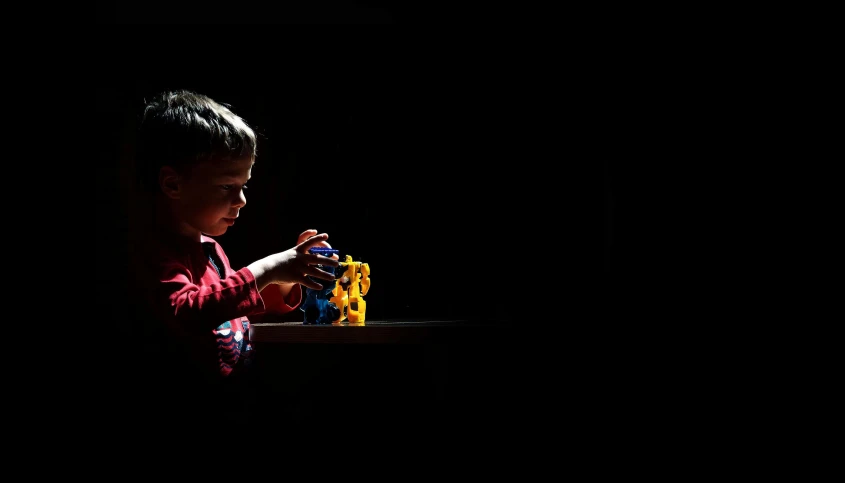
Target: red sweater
{"x": 201, "y": 305}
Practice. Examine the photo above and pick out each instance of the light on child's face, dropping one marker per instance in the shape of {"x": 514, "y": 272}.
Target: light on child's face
{"x": 214, "y": 195}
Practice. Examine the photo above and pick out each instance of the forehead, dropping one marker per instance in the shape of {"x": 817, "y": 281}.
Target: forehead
{"x": 239, "y": 168}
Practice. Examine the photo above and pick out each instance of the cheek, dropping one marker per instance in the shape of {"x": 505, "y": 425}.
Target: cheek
{"x": 219, "y": 205}
{"x": 210, "y": 205}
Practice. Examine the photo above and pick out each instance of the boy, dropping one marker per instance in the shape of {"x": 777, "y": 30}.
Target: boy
{"x": 194, "y": 161}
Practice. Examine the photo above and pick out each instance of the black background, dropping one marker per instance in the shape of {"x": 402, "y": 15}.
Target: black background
{"x": 336, "y": 12}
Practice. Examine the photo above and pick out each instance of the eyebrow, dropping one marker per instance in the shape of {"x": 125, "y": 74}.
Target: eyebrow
{"x": 233, "y": 175}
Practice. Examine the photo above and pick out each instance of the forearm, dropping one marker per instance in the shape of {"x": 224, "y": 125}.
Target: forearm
{"x": 203, "y": 307}
{"x": 261, "y": 270}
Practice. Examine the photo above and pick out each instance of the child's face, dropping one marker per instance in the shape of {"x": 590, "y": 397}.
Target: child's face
{"x": 210, "y": 199}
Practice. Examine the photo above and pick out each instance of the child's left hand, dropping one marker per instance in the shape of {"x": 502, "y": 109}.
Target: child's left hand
{"x": 305, "y": 235}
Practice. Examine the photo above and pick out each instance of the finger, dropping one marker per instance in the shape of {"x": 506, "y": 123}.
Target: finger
{"x": 311, "y": 242}
{"x": 323, "y": 243}
{"x": 321, "y": 260}
{"x": 317, "y": 273}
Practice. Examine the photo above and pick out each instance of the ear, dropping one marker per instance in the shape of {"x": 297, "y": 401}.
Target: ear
{"x": 170, "y": 182}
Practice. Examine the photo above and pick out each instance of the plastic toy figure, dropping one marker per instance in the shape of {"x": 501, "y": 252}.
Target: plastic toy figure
{"x": 349, "y": 291}
{"x": 317, "y": 307}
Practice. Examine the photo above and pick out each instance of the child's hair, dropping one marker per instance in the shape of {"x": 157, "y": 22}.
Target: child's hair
{"x": 181, "y": 128}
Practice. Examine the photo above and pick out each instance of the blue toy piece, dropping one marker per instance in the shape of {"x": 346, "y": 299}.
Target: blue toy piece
{"x": 316, "y": 306}
{"x": 323, "y": 251}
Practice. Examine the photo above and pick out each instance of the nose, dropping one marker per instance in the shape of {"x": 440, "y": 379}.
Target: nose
{"x": 240, "y": 200}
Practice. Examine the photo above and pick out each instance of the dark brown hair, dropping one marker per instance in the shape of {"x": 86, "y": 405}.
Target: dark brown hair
{"x": 182, "y": 128}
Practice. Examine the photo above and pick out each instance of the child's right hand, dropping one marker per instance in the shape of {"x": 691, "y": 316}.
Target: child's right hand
{"x": 295, "y": 265}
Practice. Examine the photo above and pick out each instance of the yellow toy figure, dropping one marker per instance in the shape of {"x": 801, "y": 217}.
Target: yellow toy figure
{"x": 347, "y": 295}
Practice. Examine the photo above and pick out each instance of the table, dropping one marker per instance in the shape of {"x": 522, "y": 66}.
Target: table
{"x": 377, "y": 332}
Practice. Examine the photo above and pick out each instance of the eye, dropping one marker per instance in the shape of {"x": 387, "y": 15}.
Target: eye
{"x": 228, "y": 187}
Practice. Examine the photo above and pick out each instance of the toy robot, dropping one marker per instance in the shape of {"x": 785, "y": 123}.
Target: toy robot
{"x": 340, "y": 300}
{"x": 348, "y": 294}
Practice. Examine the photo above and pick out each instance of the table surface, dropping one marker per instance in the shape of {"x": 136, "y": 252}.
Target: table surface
{"x": 373, "y": 332}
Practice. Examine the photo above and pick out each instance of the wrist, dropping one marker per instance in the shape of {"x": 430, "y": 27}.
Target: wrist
{"x": 261, "y": 270}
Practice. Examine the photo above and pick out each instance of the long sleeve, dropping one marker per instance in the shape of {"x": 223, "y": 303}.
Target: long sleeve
{"x": 198, "y": 325}
{"x": 205, "y": 305}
